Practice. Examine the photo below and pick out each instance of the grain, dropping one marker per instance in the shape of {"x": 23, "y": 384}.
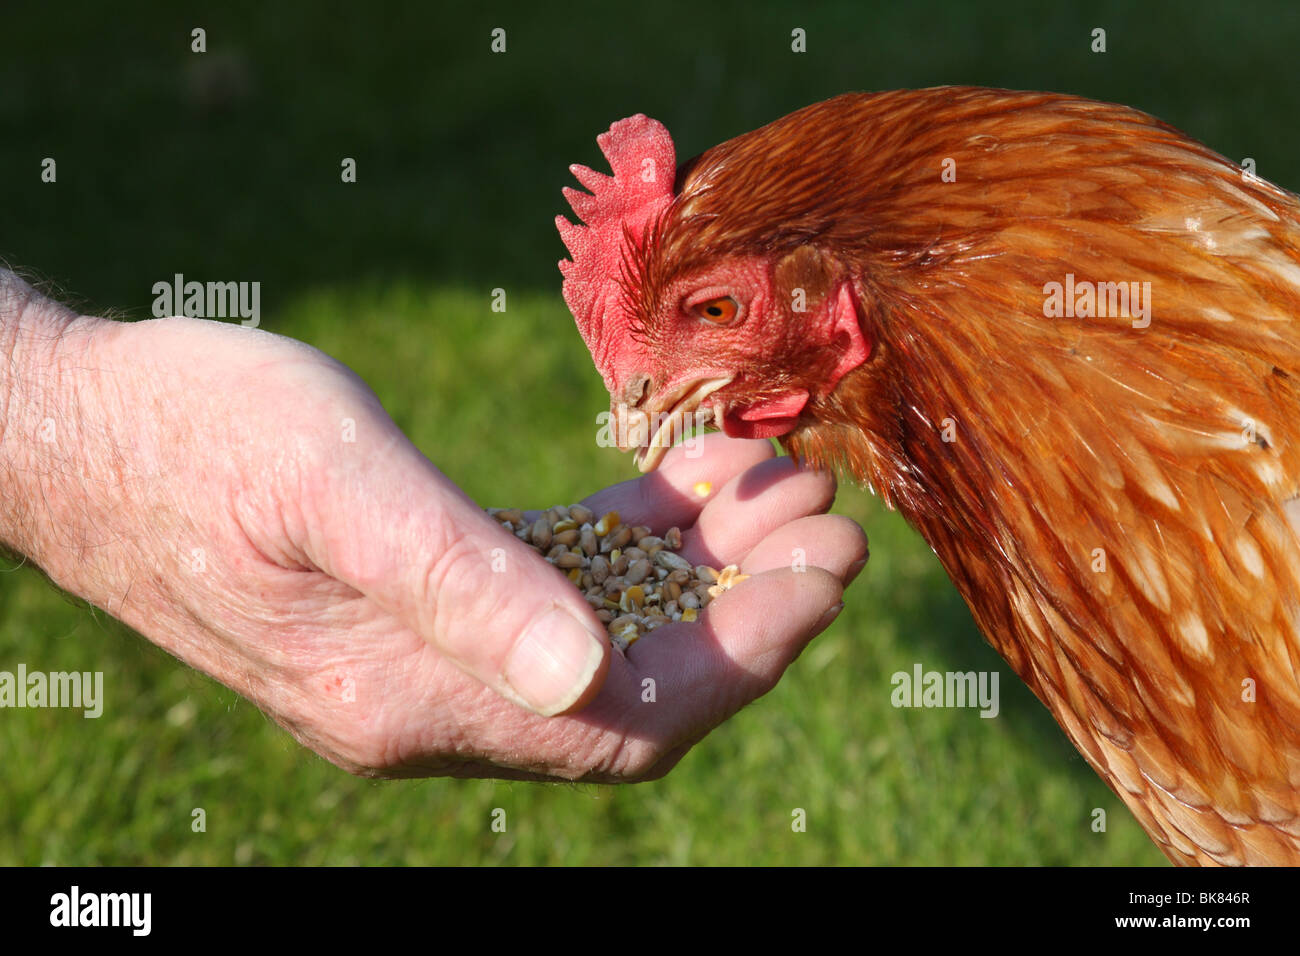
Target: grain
{"x": 633, "y": 579}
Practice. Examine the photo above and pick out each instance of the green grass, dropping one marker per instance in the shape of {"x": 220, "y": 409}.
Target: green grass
{"x": 879, "y": 785}
{"x": 227, "y": 168}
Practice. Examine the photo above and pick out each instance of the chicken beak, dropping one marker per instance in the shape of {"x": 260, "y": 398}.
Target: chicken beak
{"x": 654, "y": 425}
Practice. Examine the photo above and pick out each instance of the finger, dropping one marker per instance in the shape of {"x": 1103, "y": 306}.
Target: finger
{"x": 690, "y": 475}
{"x": 400, "y": 532}
{"x": 737, "y": 652}
{"x": 833, "y": 542}
{"x": 753, "y": 505}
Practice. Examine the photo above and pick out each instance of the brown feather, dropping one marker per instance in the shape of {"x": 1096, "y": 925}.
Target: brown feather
{"x": 1170, "y": 452}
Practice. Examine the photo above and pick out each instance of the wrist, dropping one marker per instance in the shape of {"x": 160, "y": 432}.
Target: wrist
{"x": 42, "y": 344}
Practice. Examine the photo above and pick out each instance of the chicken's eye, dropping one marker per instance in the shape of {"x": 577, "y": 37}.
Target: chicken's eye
{"x": 717, "y": 311}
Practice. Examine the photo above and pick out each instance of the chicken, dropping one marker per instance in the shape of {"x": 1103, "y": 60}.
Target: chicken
{"x": 1061, "y": 338}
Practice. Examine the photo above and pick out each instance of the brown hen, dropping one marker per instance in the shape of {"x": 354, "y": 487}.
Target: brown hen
{"x": 1061, "y": 338}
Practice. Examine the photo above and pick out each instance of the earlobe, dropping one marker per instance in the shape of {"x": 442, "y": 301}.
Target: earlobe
{"x": 846, "y": 334}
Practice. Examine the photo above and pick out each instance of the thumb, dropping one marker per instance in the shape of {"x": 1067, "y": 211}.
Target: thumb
{"x": 409, "y": 539}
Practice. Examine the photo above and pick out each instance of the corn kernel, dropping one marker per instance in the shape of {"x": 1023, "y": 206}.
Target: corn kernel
{"x": 607, "y": 523}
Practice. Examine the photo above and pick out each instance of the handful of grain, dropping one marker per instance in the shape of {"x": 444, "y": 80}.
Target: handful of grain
{"x": 635, "y": 581}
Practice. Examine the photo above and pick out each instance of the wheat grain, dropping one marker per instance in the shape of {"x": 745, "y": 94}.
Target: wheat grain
{"x": 633, "y": 579}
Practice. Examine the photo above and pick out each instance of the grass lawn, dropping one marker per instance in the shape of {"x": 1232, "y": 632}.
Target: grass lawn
{"x": 226, "y": 165}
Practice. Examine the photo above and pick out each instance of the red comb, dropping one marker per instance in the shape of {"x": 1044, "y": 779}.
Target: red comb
{"x": 641, "y": 154}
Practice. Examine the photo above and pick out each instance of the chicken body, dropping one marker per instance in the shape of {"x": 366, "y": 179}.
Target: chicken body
{"x": 1063, "y": 339}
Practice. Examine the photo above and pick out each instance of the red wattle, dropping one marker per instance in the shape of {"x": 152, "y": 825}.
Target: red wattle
{"x": 766, "y": 419}
{"x": 771, "y": 428}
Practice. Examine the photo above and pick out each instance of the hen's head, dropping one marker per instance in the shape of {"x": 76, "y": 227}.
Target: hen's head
{"x": 689, "y": 311}
{"x": 868, "y": 273}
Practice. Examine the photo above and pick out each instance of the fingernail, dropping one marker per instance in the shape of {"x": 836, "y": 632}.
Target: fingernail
{"x": 825, "y": 620}
{"x": 553, "y": 663}
{"x": 854, "y": 570}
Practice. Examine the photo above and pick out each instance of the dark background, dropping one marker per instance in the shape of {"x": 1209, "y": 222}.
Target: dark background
{"x": 214, "y": 162}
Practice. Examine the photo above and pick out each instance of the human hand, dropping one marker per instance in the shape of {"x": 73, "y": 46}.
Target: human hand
{"x": 244, "y": 502}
